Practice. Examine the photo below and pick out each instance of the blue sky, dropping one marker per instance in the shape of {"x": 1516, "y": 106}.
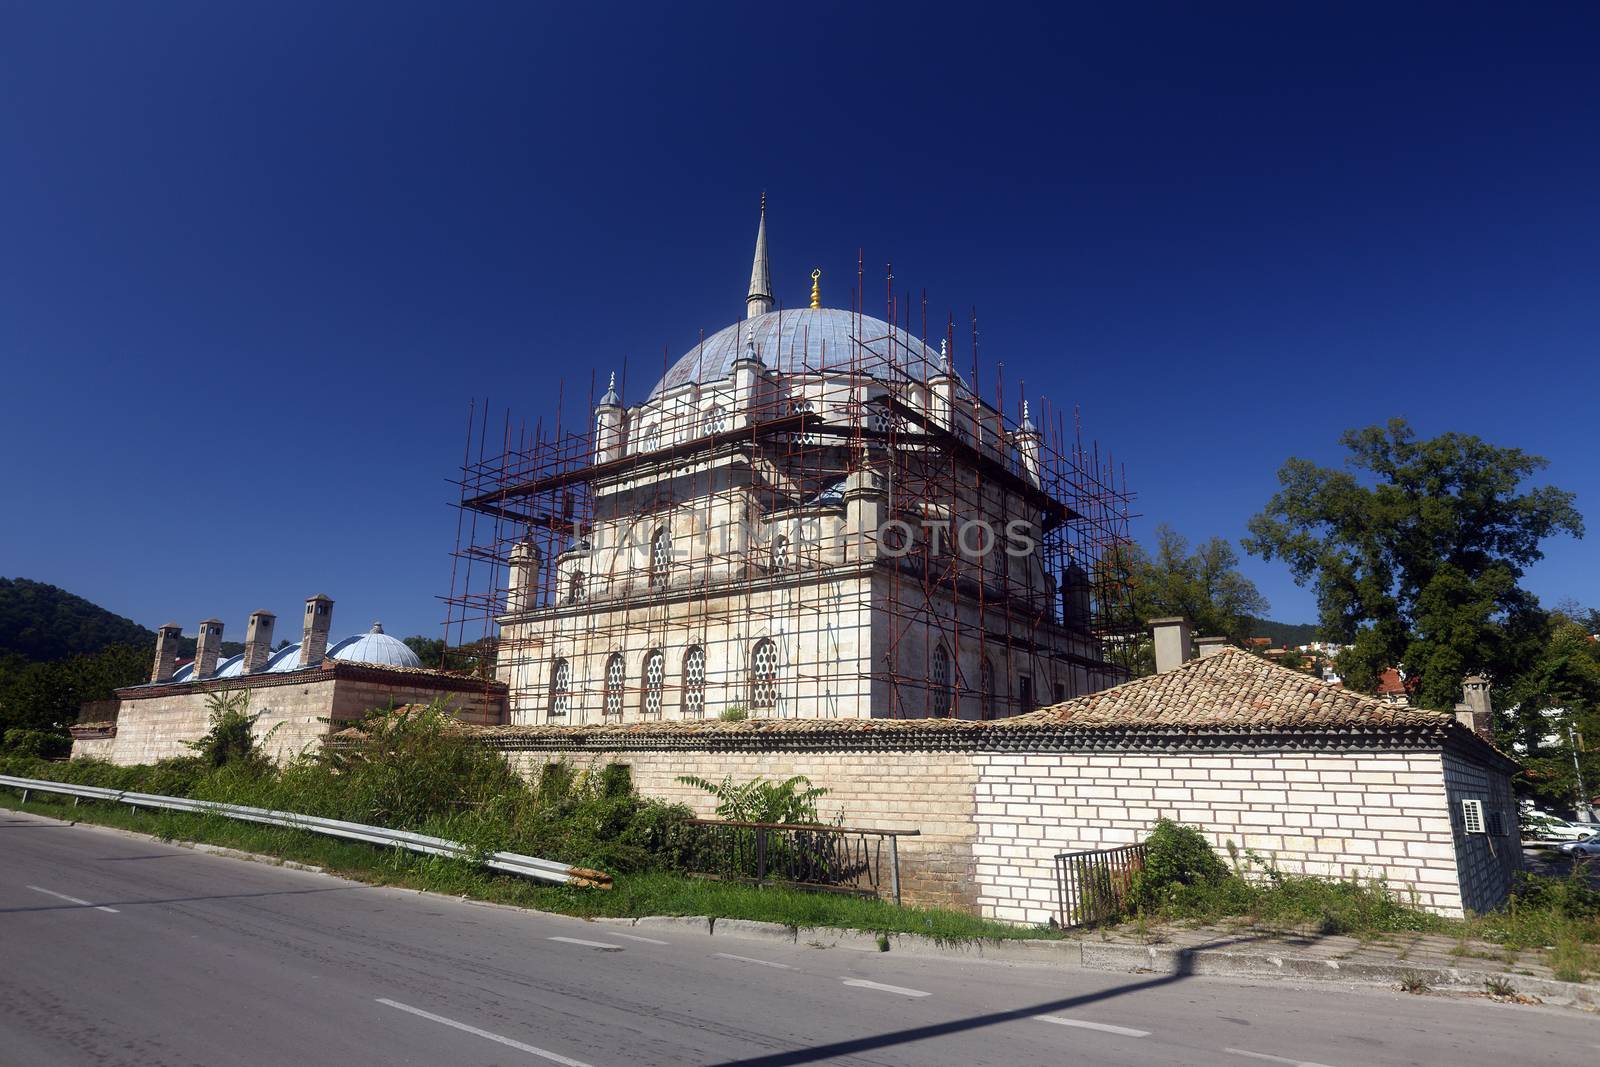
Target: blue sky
{"x": 259, "y": 257}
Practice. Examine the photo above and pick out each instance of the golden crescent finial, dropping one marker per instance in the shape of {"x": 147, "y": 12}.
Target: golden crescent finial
{"x": 816, "y": 288}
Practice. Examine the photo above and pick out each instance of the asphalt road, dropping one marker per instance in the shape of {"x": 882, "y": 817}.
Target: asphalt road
{"x": 116, "y": 950}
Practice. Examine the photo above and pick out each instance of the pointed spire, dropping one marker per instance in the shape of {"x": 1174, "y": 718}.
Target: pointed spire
{"x": 611, "y": 399}
{"x": 759, "y": 300}
{"x": 1027, "y": 423}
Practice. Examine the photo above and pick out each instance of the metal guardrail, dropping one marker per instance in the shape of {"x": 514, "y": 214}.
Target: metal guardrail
{"x": 840, "y": 859}
{"x": 1093, "y": 886}
{"x": 508, "y": 862}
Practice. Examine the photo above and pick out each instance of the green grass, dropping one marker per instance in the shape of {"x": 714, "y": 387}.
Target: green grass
{"x": 634, "y": 895}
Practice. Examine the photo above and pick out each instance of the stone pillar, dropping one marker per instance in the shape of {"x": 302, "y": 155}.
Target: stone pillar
{"x": 1172, "y": 643}
{"x": 314, "y": 632}
{"x": 522, "y": 581}
{"x": 1075, "y": 597}
{"x": 257, "y": 641}
{"x": 865, "y": 509}
{"x": 206, "y": 648}
{"x": 166, "y": 652}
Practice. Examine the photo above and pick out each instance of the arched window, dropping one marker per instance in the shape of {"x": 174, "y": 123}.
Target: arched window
{"x": 660, "y": 557}
{"x": 576, "y": 588}
{"x": 650, "y": 440}
{"x": 694, "y": 683}
{"x": 560, "y": 689}
{"x": 764, "y": 675}
{"x": 986, "y": 688}
{"x": 613, "y": 707}
{"x": 655, "y": 671}
{"x": 939, "y": 683}
{"x": 780, "y": 553}
{"x": 715, "y": 420}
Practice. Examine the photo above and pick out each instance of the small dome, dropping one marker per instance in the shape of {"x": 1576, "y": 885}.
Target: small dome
{"x": 807, "y": 340}
{"x": 231, "y": 667}
{"x": 284, "y": 660}
{"x": 375, "y": 647}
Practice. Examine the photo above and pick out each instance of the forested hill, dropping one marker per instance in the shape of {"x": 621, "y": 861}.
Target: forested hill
{"x": 42, "y": 622}
{"x": 1285, "y": 634}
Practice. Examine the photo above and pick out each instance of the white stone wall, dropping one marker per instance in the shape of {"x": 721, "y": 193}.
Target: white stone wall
{"x": 1337, "y": 815}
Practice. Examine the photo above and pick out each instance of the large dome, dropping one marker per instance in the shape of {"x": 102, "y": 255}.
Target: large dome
{"x": 807, "y": 340}
{"x": 375, "y": 647}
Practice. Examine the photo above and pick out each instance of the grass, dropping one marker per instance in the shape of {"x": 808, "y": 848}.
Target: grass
{"x": 634, "y": 895}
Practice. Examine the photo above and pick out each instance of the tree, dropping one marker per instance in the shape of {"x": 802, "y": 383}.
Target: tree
{"x": 430, "y": 650}
{"x": 1416, "y": 553}
{"x": 1204, "y": 586}
{"x": 46, "y": 696}
{"x": 1556, "y": 699}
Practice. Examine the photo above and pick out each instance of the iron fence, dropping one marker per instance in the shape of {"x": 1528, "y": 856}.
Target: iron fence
{"x": 1093, "y": 886}
{"x": 839, "y": 859}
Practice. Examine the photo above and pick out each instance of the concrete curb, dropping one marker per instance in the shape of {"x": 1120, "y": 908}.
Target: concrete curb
{"x": 1159, "y": 959}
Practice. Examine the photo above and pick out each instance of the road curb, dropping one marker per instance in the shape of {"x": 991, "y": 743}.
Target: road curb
{"x": 1161, "y": 959}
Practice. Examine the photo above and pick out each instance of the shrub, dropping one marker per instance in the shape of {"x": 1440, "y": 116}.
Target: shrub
{"x": 1175, "y": 857}
{"x": 39, "y": 744}
{"x": 793, "y": 800}
{"x": 733, "y": 713}
{"x": 231, "y": 736}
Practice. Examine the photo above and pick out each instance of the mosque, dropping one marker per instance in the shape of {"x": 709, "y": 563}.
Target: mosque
{"x": 811, "y": 514}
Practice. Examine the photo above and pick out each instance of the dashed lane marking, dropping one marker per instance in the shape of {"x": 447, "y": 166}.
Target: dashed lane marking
{"x": 532, "y": 1050}
{"x": 603, "y": 945}
{"x": 1273, "y": 1059}
{"x": 752, "y": 959}
{"x": 72, "y": 900}
{"x": 646, "y": 940}
{"x": 1084, "y": 1024}
{"x": 862, "y": 983}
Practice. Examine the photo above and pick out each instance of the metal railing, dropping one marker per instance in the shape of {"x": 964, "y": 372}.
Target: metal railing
{"x": 507, "y": 862}
{"x": 1093, "y": 886}
{"x": 839, "y": 859}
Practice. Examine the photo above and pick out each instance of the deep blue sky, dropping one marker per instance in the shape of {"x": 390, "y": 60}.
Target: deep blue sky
{"x": 255, "y": 259}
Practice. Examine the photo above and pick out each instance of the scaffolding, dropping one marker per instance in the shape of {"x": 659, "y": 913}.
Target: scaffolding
{"x": 817, "y": 533}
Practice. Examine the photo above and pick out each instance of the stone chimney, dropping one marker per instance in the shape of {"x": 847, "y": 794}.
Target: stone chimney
{"x": 1209, "y": 646}
{"x": 1475, "y": 711}
{"x": 206, "y": 647}
{"x": 166, "y": 652}
{"x": 314, "y": 632}
{"x": 1172, "y": 643}
{"x": 257, "y": 641}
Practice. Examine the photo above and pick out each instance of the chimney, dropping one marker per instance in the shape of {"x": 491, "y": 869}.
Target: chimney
{"x": 1209, "y": 646}
{"x": 257, "y": 641}
{"x": 1475, "y": 711}
{"x": 206, "y": 647}
{"x": 314, "y": 633}
{"x": 1172, "y": 643}
{"x": 166, "y": 652}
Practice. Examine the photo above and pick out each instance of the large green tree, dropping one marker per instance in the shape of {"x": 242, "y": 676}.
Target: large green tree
{"x": 1203, "y": 585}
{"x": 1552, "y": 714}
{"x": 1416, "y": 551}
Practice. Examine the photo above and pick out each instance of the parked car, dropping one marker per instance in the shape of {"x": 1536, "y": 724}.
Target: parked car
{"x": 1538, "y": 825}
{"x": 1589, "y": 846}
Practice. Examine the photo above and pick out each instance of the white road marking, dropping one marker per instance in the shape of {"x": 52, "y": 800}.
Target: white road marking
{"x": 1273, "y": 1059}
{"x": 646, "y": 940}
{"x": 1125, "y": 1031}
{"x": 752, "y": 959}
{"x": 72, "y": 900}
{"x": 608, "y": 946}
{"x": 862, "y": 983}
{"x": 532, "y": 1050}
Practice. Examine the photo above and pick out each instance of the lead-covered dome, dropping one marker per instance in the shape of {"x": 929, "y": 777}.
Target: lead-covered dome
{"x": 375, "y": 647}
{"x": 807, "y": 340}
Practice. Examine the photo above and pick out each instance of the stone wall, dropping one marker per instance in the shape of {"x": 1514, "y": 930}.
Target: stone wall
{"x": 1337, "y": 815}
{"x": 1488, "y": 861}
{"x": 156, "y": 727}
{"x": 927, "y": 791}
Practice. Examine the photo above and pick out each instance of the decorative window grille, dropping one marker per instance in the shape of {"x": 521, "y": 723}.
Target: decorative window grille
{"x": 986, "y": 688}
{"x": 1472, "y": 816}
{"x": 764, "y": 674}
{"x": 694, "y": 683}
{"x": 879, "y": 421}
{"x": 655, "y": 669}
{"x": 716, "y": 421}
{"x": 613, "y": 707}
{"x": 941, "y": 681}
{"x": 780, "y": 554}
{"x": 651, "y": 439}
{"x": 560, "y": 689}
{"x": 660, "y": 557}
{"x": 577, "y": 588}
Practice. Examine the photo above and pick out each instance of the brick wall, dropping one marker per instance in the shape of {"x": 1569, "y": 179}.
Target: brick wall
{"x": 1487, "y": 861}
{"x": 1332, "y": 814}
{"x": 927, "y": 791}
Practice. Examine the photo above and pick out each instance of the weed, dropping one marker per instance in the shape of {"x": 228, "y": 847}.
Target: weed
{"x": 1499, "y": 987}
{"x": 883, "y": 942}
{"x": 1412, "y": 982}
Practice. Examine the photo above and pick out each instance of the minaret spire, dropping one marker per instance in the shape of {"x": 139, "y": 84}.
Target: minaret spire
{"x": 759, "y": 302}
